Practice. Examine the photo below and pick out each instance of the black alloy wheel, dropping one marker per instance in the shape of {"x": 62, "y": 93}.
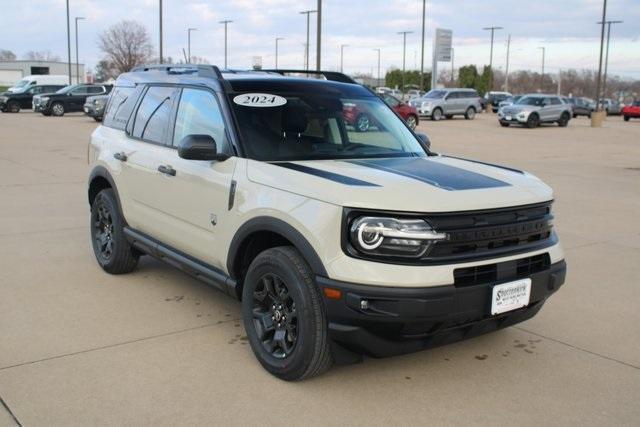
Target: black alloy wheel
{"x": 274, "y": 316}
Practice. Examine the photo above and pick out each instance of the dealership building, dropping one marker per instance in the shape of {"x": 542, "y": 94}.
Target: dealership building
{"x": 12, "y": 71}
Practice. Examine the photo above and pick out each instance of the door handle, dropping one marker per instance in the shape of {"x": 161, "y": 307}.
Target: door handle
{"x": 167, "y": 170}
{"x": 120, "y": 156}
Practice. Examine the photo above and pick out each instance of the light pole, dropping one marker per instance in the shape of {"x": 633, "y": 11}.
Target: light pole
{"x": 378, "y": 50}
{"x": 404, "y": 55}
{"x": 78, "y": 18}
{"x": 542, "y": 73}
{"x": 452, "y": 69}
{"x": 160, "y": 25}
{"x": 424, "y": 15}
{"x": 604, "y": 18}
{"x": 277, "y": 40}
{"x": 189, "y": 42}
{"x": 225, "y": 22}
{"x": 342, "y": 46}
{"x": 492, "y": 29}
{"x": 318, "y": 35}
{"x": 68, "y": 42}
{"x": 606, "y": 61}
{"x": 307, "y": 47}
{"x": 506, "y": 73}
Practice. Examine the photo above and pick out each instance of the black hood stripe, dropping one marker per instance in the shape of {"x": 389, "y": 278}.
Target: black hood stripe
{"x": 438, "y": 174}
{"x": 342, "y": 179}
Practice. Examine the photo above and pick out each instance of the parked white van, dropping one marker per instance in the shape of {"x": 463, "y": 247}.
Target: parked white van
{"x": 28, "y": 81}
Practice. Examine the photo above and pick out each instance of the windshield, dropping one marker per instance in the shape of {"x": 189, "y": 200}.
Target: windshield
{"x": 531, "y": 100}
{"x": 435, "y": 94}
{"x": 22, "y": 83}
{"x": 310, "y": 126}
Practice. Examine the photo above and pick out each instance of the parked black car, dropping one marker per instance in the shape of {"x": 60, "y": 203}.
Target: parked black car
{"x": 580, "y": 106}
{"x": 68, "y": 99}
{"x": 94, "y": 107}
{"x": 493, "y": 99}
{"x": 13, "y": 102}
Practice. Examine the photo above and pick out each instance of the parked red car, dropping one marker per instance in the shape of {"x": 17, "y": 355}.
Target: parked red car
{"x": 631, "y": 111}
{"x": 361, "y": 121}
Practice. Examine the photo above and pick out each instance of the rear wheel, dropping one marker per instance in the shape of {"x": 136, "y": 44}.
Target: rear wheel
{"x": 110, "y": 246}
{"x": 436, "y": 114}
{"x": 470, "y": 114}
{"x": 363, "y": 123}
{"x": 533, "y": 121}
{"x": 412, "y": 122}
{"x": 284, "y": 315}
{"x": 13, "y": 107}
{"x": 626, "y": 118}
{"x": 564, "y": 120}
{"x": 57, "y": 109}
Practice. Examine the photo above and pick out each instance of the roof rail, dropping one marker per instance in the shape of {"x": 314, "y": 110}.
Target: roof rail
{"x": 329, "y": 75}
{"x": 202, "y": 70}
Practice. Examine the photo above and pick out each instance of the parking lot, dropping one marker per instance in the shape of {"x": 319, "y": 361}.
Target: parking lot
{"x": 80, "y": 347}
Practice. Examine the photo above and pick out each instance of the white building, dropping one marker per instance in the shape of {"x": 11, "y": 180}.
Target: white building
{"x": 12, "y": 71}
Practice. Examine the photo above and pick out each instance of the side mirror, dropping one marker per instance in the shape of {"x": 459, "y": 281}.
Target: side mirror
{"x": 424, "y": 139}
{"x": 199, "y": 147}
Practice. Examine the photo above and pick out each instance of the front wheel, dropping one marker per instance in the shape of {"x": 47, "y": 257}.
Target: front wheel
{"x": 284, "y": 315}
{"x": 97, "y": 119}
{"x": 412, "y": 122}
{"x": 470, "y": 114}
{"x": 436, "y": 114}
{"x": 533, "y": 121}
{"x": 626, "y": 118}
{"x": 363, "y": 123}
{"x": 13, "y": 107}
{"x": 504, "y": 124}
{"x": 57, "y": 109}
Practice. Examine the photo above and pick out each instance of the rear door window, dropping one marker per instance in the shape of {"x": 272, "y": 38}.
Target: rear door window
{"x": 121, "y": 103}
{"x": 154, "y": 114}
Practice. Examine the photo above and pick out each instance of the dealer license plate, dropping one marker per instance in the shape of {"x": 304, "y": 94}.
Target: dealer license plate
{"x": 86, "y": 110}
{"x": 510, "y": 296}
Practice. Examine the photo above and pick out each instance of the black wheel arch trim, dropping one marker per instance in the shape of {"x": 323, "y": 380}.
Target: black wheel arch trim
{"x": 274, "y": 225}
{"x": 102, "y": 172}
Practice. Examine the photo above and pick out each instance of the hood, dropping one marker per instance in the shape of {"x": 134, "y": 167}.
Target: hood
{"x": 514, "y": 109}
{"x": 429, "y": 184}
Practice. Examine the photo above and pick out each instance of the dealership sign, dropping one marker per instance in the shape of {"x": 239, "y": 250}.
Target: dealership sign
{"x": 443, "y": 45}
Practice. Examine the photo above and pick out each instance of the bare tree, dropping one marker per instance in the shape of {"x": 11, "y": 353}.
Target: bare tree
{"x": 41, "y": 55}
{"x": 7, "y": 55}
{"x": 125, "y": 45}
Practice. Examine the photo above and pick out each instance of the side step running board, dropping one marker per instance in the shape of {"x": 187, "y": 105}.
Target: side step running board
{"x": 201, "y": 271}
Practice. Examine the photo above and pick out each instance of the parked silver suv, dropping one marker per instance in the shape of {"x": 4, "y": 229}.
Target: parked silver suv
{"x": 533, "y": 109}
{"x": 447, "y": 103}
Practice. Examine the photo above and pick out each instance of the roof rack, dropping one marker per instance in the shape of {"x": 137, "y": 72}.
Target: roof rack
{"x": 210, "y": 71}
{"x": 329, "y": 75}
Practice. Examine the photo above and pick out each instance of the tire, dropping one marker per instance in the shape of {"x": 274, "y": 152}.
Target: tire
{"x": 436, "y": 114}
{"x": 470, "y": 114}
{"x": 564, "y": 120}
{"x": 533, "y": 121}
{"x": 504, "y": 124}
{"x": 13, "y": 107}
{"x": 97, "y": 119}
{"x": 57, "y": 109}
{"x": 110, "y": 246}
{"x": 575, "y": 116}
{"x": 363, "y": 123}
{"x": 412, "y": 122}
{"x": 46, "y": 113}
{"x": 626, "y": 118}
{"x": 279, "y": 283}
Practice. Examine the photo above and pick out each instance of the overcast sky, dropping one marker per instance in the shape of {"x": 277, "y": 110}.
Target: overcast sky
{"x": 567, "y": 28}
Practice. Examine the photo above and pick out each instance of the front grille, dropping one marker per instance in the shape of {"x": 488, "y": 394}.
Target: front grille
{"x": 481, "y": 234}
{"x": 503, "y": 271}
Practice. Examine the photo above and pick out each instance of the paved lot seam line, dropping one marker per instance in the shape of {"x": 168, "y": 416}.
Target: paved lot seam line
{"x": 578, "y": 348}
{"x": 9, "y": 411}
{"x": 60, "y": 356}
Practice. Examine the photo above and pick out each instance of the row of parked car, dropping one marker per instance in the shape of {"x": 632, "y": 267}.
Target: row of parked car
{"x": 56, "y": 99}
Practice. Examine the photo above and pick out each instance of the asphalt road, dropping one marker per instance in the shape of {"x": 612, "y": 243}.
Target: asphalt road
{"x": 81, "y": 347}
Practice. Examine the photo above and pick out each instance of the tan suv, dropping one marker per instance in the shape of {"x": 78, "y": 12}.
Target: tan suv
{"x": 339, "y": 243}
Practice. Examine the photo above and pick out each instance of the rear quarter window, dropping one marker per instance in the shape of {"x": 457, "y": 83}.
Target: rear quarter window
{"x": 121, "y": 104}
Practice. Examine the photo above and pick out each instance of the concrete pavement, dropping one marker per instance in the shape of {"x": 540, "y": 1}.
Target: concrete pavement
{"x": 80, "y": 347}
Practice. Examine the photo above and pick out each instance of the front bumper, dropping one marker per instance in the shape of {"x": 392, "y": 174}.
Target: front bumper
{"x": 92, "y": 111}
{"x": 403, "y": 320}
{"x": 39, "y": 108}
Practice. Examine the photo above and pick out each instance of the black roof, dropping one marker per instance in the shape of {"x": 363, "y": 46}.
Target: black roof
{"x": 282, "y": 81}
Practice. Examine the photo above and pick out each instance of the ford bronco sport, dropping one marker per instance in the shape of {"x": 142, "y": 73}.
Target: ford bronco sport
{"x": 338, "y": 243}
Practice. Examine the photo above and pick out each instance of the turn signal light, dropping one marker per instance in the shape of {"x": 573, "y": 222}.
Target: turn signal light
{"x": 332, "y": 293}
